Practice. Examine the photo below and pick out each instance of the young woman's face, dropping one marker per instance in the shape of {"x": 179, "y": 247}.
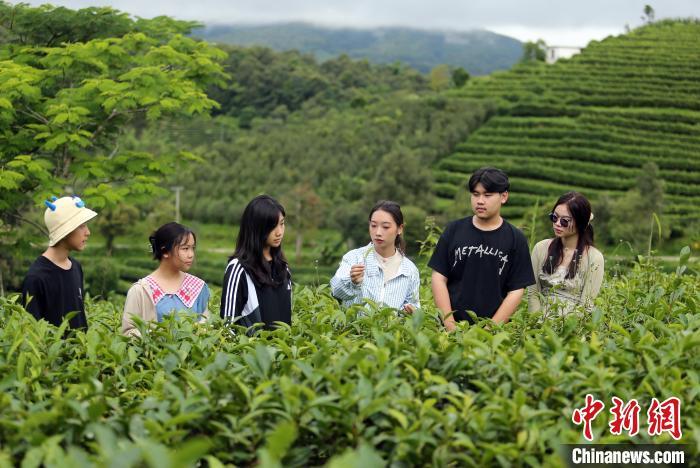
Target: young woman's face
{"x": 487, "y": 205}
{"x": 274, "y": 238}
{"x": 563, "y": 217}
{"x": 383, "y": 229}
{"x": 182, "y": 256}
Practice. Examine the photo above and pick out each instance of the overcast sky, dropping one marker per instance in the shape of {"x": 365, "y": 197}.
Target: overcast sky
{"x": 562, "y": 22}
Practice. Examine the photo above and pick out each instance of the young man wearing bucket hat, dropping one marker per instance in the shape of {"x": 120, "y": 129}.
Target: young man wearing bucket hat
{"x": 53, "y": 286}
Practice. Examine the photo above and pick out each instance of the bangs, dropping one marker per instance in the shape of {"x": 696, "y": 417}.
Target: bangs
{"x": 182, "y": 238}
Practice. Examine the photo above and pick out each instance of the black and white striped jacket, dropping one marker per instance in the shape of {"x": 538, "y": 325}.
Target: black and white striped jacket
{"x": 239, "y": 297}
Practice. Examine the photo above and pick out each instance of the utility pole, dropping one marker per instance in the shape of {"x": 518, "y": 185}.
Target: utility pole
{"x": 177, "y": 189}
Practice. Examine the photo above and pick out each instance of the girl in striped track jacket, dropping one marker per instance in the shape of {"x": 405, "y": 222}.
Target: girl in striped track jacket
{"x": 257, "y": 284}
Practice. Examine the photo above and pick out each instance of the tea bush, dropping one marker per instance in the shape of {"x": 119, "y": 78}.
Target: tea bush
{"x": 356, "y": 387}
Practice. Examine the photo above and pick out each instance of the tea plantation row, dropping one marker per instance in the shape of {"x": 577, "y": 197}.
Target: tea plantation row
{"x": 353, "y": 387}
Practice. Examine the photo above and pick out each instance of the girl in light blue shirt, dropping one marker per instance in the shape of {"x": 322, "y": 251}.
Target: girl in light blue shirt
{"x": 380, "y": 271}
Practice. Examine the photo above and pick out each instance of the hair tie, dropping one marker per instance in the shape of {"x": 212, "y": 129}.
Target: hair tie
{"x": 152, "y": 244}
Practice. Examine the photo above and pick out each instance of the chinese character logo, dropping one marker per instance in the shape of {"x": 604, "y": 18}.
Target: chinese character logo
{"x": 661, "y": 417}
{"x": 587, "y": 414}
{"x": 665, "y": 417}
{"x": 625, "y": 417}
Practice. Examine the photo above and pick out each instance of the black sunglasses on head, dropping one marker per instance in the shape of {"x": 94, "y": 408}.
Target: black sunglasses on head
{"x": 563, "y": 220}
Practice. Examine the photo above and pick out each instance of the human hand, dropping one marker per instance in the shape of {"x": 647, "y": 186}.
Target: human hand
{"x": 357, "y": 272}
{"x": 409, "y": 308}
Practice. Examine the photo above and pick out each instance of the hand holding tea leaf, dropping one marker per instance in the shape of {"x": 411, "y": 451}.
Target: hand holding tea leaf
{"x": 357, "y": 272}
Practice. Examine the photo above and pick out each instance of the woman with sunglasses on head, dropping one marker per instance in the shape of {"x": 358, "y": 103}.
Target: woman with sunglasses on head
{"x": 568, "y": 268}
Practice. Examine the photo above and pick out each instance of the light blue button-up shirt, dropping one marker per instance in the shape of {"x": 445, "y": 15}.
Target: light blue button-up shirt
{"x": 396, "y": 293}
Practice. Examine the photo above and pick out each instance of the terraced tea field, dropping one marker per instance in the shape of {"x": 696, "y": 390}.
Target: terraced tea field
{"x": 591, "y": 122}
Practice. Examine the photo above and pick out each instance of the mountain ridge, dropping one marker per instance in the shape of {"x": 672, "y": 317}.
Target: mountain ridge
{"x": 479, "y": 51}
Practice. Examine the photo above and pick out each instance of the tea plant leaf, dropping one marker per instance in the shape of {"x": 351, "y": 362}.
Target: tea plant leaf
{"x": 362, "y": 457}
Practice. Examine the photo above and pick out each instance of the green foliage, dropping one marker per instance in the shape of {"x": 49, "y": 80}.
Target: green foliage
{"x": 48, "y": 26}
{"x": 101, "y": 276}
{"x": 303, "y": 213}
{"x": 356, "y": 387}
{"x": 71, "y": 82}
{"x": 633, "y": 217}
{"x": 413, "y": 218}
{"x": 18, "y": 250}
{"x": 402, "y": 175}
{"x": 534, "y": 51}
{"x": 440, "y": 78}
{"x": 460, "y": 76}
{"x": 116, "y": 221}
{"x": 350, "y": 157}
{"x": 65, "y": 103}
{"x": 273, "y": 84}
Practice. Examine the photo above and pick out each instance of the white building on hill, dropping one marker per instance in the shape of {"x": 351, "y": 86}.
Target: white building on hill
{"x": 555, "y": 53}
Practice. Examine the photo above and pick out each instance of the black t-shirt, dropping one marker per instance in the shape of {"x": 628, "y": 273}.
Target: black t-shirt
{"x": 481, "y": 267}
{"x": 54, "y": 292}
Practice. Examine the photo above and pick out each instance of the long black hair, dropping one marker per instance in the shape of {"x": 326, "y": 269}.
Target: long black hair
{"x": 168, "y": 237}
{"x": 580, "y": 209}
{"x": 259, "y": 218}
{"x": 394, "y": 209}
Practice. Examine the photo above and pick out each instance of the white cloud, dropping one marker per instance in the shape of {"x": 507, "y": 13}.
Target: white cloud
{"x": 576, "y": 37}
{"x": 574, "y": 22}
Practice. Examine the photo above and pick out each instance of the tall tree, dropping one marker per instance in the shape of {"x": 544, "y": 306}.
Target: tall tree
{"x": 460, "y": 76}
{"x": 71, "y": 82}
{"x": 63, "y": 107}
{"x": 303, "y": 208}
{"x": 116, "y": 221}
{"x": 633, "y": 217}
{"x": 440, "y": 77}
{"x": 534, "y": 51}
{"x": 649, "y": 14}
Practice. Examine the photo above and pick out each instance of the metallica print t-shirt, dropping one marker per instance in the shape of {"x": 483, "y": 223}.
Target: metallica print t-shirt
{"x": 481, "y": 266}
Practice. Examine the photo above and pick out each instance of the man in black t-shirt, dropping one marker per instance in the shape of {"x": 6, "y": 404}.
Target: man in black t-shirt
{"x": 53, "y": 286}
{"x": 481, "y": 263}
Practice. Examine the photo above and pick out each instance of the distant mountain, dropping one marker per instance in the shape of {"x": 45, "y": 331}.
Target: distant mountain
{"x": 480, "y": 52}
